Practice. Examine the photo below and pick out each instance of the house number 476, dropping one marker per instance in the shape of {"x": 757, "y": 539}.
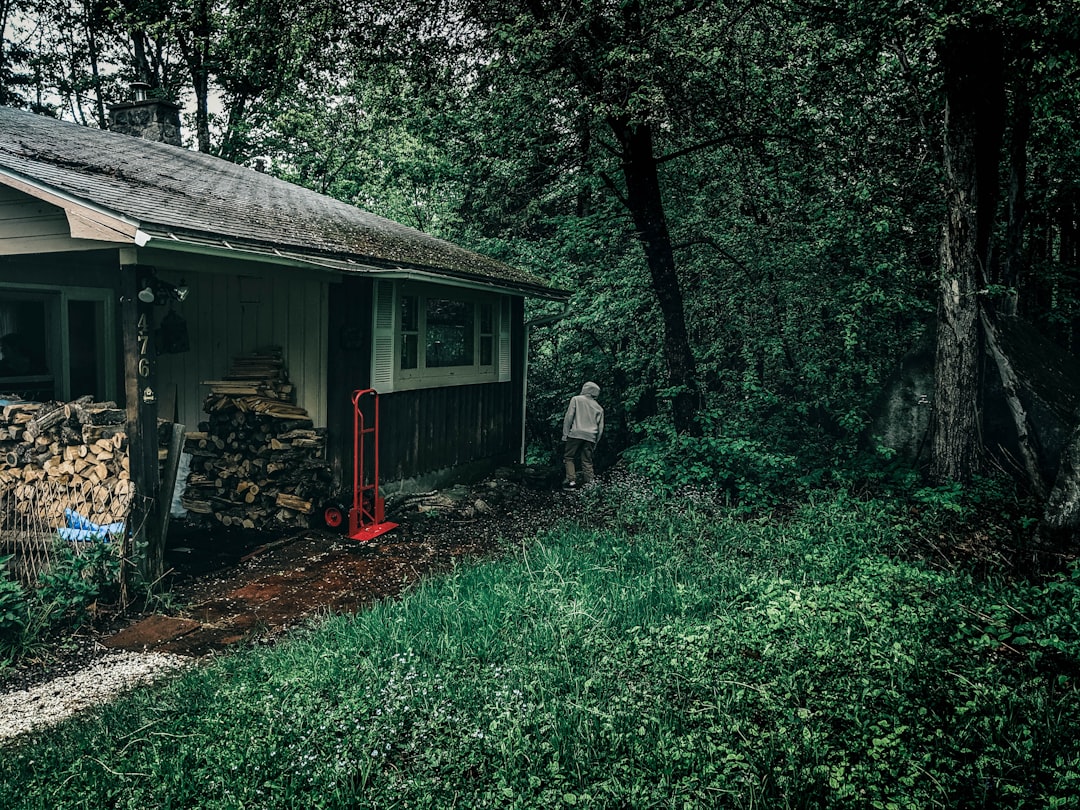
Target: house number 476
{"x": 143, "y": 336}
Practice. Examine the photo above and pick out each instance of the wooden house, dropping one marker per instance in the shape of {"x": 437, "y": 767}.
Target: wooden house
{"x": 135, "y": 270}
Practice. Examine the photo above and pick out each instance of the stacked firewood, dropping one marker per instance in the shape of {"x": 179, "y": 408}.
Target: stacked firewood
{"x": 257, "y": 462}
{"x": 55, "y": 456}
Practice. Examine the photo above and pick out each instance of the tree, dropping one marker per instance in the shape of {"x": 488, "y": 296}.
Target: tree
{"x": 972, "y": 59}
{"x": 649, "y": 84}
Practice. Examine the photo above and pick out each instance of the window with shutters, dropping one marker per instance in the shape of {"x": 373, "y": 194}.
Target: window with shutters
{"x": 428, "y": 336}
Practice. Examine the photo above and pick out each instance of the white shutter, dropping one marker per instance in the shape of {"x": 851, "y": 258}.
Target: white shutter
{"x": 382, "y": 337}
{"x": 504, "y": 339}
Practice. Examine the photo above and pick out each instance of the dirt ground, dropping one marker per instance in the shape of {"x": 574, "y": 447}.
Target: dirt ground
{"x": 232, "y": 587}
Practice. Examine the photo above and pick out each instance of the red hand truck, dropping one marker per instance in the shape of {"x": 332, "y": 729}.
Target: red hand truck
{"x": 367, "y": 516}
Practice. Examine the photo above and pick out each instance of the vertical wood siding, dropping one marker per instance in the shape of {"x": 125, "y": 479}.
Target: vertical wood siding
{"x": 435, "y": 428}
{"x": 229, "y": 315}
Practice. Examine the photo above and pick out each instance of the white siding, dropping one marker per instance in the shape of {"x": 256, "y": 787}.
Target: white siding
{"x": 28, "y": 225}
{"x": 229, "y": 315}
{"x": 382, "y": 344}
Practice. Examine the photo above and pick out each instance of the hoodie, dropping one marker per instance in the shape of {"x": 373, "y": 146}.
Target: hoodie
{"x": 585, "y": 417}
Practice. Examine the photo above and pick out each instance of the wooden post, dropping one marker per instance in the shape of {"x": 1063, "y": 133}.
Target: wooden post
{"x": 141, "y": 398}
{"x": 168, "y": 481}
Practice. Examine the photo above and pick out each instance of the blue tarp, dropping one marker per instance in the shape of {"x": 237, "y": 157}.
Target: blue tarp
{"x": 82, "y": 529}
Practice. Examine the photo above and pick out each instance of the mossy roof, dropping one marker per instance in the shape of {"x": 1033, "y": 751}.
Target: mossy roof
{"x": 169, "y": 190}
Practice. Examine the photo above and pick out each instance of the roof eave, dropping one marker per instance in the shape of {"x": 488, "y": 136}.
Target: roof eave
{"x": 85, "y": 220}
{"x": 170, "y": 239}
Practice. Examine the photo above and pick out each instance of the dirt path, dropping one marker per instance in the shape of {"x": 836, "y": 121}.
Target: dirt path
{"x": 229, "y": 588}
{"x": 278, "y": 586}
{"x": 232, "y": 589}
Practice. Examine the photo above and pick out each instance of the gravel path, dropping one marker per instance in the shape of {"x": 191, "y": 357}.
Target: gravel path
{"x": 51, "y": 702}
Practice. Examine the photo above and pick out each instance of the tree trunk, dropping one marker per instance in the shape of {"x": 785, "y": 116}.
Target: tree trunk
{"x": 646, "y": 205}
{"x": 972, "y": 65}
{"x": 95, "y": 73}
{"x": 1061, "y": 516}
{"x": 196, "y": 53}
{"x": 953, "y": 449}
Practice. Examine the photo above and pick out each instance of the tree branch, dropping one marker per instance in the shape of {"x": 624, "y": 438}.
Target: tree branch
{"x": 614, "y": 189}
{"x": 723, "y": 140}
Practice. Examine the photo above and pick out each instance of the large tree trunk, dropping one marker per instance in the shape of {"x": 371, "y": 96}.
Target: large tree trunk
{"x": 196, "y": 52}
{"x": 646, "y": 205}
{"x": 1061, "y": 516}
{"x": 972, "y": 66}
{"x": 955, "y": 424}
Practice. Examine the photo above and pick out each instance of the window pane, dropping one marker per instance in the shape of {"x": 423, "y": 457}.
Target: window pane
{"x": 450, "y": 333}
{"x": 408, "y": 351}
{"x": 24, "y": 347}
{"x": 487, "y": 351}
{"x": 86, "y": 326}
{"x": 409, "y": 310}
{"x": 487, "y": 319}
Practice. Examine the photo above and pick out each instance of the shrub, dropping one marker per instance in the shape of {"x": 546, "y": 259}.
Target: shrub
{"x": 13, "y": 610}
{"x": 77, "y": 579}
{"x": 751, "y": 471}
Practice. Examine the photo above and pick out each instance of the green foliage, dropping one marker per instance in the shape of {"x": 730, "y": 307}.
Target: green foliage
{"x": 679, "y": 655}
{"x": 1038, "y": 622}
{"x": 751, "y": 472}
{"x": 13, "y": 610}
{"x": 62, "y": 599}
{"x": 78, "y": 578}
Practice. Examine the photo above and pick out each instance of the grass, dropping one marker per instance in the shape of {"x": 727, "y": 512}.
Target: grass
{"x": 691, "y": 659}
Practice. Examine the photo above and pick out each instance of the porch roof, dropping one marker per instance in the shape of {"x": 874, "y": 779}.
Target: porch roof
{"x": 137, "y": 191}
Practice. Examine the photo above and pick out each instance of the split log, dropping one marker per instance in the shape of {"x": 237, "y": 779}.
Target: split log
{"x": 54, "y": 458}
{"x": 1010, "y": 384}
{"x": 293, "y": 502}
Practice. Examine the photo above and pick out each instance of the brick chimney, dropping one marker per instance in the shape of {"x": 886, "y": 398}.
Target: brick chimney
{"x": 152, "y": 119}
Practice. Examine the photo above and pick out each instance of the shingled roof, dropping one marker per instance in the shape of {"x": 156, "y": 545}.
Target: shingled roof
{"x": 184, "y": 196}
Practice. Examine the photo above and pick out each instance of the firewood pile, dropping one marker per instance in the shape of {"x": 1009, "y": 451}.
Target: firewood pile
{"x": 257, "y": 462}
{"x": 55, "y": 456}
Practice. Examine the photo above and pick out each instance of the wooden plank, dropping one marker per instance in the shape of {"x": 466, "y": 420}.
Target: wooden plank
{"x": 25, "y": 227}
{"x": 168, "y": 480}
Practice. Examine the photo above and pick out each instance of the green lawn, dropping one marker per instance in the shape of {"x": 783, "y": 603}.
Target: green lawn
{"x": 699, "y": 659}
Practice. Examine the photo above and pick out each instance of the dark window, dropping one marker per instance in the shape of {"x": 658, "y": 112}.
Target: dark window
{"x": 410, "y": 331}
{"x": 450, "y": 334}
{"x": 25, "y": 346}
{"x": 86, "y": 327}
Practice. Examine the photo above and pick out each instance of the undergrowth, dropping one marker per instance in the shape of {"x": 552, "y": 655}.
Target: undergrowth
{"x": 62, "y": 599}
{"x": 680, "y": 655}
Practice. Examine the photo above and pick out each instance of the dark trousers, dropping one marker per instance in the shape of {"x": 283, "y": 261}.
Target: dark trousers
{"x": 574, "y": 449}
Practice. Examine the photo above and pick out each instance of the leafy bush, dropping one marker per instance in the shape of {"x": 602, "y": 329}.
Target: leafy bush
{"x": 77, "y": 579}
{"x": 746, "y": 467}
{"x": 13, "y": 610}
{"x": 61, "y": 599}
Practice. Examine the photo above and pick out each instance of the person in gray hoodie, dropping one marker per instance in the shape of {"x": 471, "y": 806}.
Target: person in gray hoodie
{"x": 583, "y": 426}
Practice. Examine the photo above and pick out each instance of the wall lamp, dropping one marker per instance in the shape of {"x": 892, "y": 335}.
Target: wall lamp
{"x": 156, "y": 291}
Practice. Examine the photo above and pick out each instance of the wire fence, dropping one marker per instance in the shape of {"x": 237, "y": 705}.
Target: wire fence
{"x": 33, "y": 518}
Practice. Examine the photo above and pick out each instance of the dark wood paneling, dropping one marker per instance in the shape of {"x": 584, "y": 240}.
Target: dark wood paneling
{"x": 425, "y": 430}
{"x": 348, "y": 368}
{"x": 92, "y": 268}
{"x": 436, "y": 428}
